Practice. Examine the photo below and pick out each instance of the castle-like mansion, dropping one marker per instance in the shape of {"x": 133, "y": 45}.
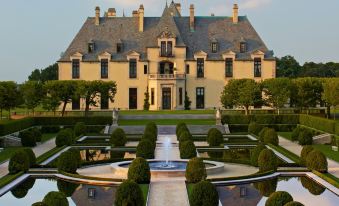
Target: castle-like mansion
{"x": 168, "y": 55}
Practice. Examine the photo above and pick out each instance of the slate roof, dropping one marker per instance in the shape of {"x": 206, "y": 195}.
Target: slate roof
{"x": 125, "y": 29}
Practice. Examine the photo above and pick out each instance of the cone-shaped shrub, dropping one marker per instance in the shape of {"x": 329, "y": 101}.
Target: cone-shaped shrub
{"x": 279, "y": 198}
{"x": 185, "y": 136}
{"x": 118, "y": 138}
{"x": 129, "y": 193}
{"x": 305, "y": 137}
{"x": 80, "y": 129}
{"x": 31, "y": 156}
{"x": 304, "y": 152}
{"x": 262, "y": 133}
{"x": 267, "y": 161}
{"x": 316, "y": 160}
{"x": 255, "y": 154}
{"x": 139, "y": 171}
{"x": 254, "y": 128}
{"x": 271, "y": 137}
{"x": 145, "y": 149}
{"x": 19, "y": 162}
{"x": 204, "y": 193}
{"x": 27, "y": 138}
{"x": 187, "y": 150}
{"x": 214, "y": 137}
{"x": 195, "y": 170}
{"x": 55, "y": 199}
{"x": 64, "y": 137}
{"x": 67, "y": 162}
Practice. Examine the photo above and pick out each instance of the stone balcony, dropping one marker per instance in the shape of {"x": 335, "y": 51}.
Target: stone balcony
{"x": 166, "y": 76}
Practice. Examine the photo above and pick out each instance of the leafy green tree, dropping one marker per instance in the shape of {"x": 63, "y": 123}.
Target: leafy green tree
{"x": 230, "y": 93}
{"x": 308, "y": 92}
{"x": 9, "y": 96}
{"x": 32, "y": 94}
{"x": 50, "y": 103}
{"x": 277, "y": 92}
{"x": 146, "y": 100}
{"x": 288, "y": 66}
{"x": 331, "y": 92}
{"x": 43, "y": 75}
{"x": 90, "y": 92}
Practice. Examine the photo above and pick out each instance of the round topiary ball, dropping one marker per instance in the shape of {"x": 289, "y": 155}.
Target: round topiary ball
{"x": 255, "y": 154}
{"x": 118, "y": 138}
{"x": 195, "y": 170}
{"x": 80, "y": 129}
{"x": 139, "y": 171}
{"x": 267, "y": 161}
{"x": 279, "y": 198}
{"x": 294, "y": 203}
{"x": 39, "y": 204}
{"x": 19, "y": 162}
{"x": 30, "y": 155}
{"x": 185, "y": 136}
{"x": 27, "y": 138}
{"x": 68, "y": 188}
{"x": 129, "y": 193}
{"x": 214, "y": 137}
{"x": 316, "y": 160}
{"x": 266, "y": 187}
{"x": 313, "y": 187}
{"x": 304, "y": 153}
{"x": 55, "y": 199}
{"x": 305, "y": 137}
{"x": 36, "y": 133}
{"x": 204, "y": 193}
{"x": 262, "y": 133}
{"x": 187, "y": 150}
{"x": 145, "y": 149}
{"x": 271, "y": 137}
{"x": 22, "y": 189}
{"x": 254, "y": 128}
{"x": 63, "y": 138}
{"x": 67, "y": 162}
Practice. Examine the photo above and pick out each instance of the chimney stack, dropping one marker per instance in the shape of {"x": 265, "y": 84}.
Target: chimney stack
{"x": 141, "y": 18}
{"x": 111, "y": 12}
{"x": 235, "y": 14}
{"x": 97, "y": 15}
{"x": 178, "y": 6}
{"x": 192, "y": 17}
{"x": 135, "y": 13}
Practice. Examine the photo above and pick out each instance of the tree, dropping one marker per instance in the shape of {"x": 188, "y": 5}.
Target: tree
{"x": 146, "y": 100}
{"x": 32, "y": 94}
{"x": 43, "y": 75}
{"x": 9, "y": 96}
{"x": 331, "y": 93}
{"x": 277, "y": 92}
{"x": 287, "y": 66}
{"x": 230, "y": 93}
{"x": 50, "y": 103}
{"x": 187, "y": 102}
{"x": 195, "y": 170}
{"x": 308, "y": 92}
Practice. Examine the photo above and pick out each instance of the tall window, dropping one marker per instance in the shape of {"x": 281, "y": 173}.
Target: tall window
{"x": 187, "y": 69}
{"x": 169, "y": 48}
{"x": 132, "y": 68}
{"x": 257, "y": 67}
{"x": 104, "y": 101}
{"x": 166, "y": 49}
{"x": 152, "y": 96}
{"x": 76, "y": 69}
{"x": 200, "y": 98}
{"x": 163, "y": 49}
{"x": 133, "y": 98}
{"x": 145, "y": 69}
{"x": 229, "y": 67}
{"x": 104, "y": 68}
{"x": 180, "y": 96}
{"x": 200, "y": 68}
{"x": 214, "y": 47}
{"x": 243, "y": 47}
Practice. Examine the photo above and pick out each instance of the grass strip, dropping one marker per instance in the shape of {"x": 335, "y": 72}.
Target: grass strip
{"x": 9, "y": 178}
{"x": 124, "y": 122}
{"x": 286, "y": 153}
{"x": 328, "y": 178}
{"x": 49, "y": 154}
{"x": 144, "y": 188}
{"x": 91, "y": 178}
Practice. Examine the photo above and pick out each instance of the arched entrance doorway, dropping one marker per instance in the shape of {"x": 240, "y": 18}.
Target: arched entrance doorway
{"x": 166, "y": 67}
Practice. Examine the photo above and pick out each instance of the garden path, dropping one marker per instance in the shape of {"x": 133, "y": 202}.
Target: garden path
{"x": 38, "y": 150}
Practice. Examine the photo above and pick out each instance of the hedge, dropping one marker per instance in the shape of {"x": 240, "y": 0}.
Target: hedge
{"x": 19, "y": 162}
{"x": 9, "y": 127}
{"x": 42, "y": 121}
{"x": 277, "y": 127}
{"x": 261, "y": 119}
{"x": 319, "y": 123}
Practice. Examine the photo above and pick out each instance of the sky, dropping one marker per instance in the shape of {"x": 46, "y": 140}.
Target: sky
{"x": 34, "y": 33}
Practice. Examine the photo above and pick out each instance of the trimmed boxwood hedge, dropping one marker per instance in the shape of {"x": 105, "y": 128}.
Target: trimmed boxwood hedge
{"x": 187, "y": 150}
{"x": 304, "y": 152}
{"x": 255, "y": 154}
{"x": 80, "y": 129}
{"x": 305, "y": 137}
{"x": 64, "y": 137}
{"x": 129, "y": 193}
{"x": 261, "y": 119}
{"x": 319, "y": 123}
{"x": 31, "y": 156}
{"x": 294, "y": 203}
{"x": 214, "y": 137}
{"x": 267, "y": 161}
{"x": 8, "y": 127}
{"x": 145, "y": 149}
{"x": 118, "y": 137}
{"x": 254, "y": 128}
{"x": 19, "y": 162}
{"x": 67, "y": 162}
{"x": 139, "y": 171}
{"x": 195, "y": 170}
{"x": 316, "y": 160}
{"x": 27, "y": 138}
{"x": 95, "y": 120}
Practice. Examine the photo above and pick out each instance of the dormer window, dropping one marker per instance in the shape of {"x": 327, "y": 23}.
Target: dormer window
{"x": 166, "y": 48}
{"x": 243, "y": 47}
{"x": 214, "y": 45}
{"x": 120, "y": 46}
{"x": 91, "y": 46}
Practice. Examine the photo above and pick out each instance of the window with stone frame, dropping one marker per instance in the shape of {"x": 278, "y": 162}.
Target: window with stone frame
{"x": 229, "y": 67}
{"x": 104, "y": 68}
{"x": 132, "y": 68}
{"x": 75, "y": 69}
{"x": 257, "y": 67}
{"x": 200, "y": 68}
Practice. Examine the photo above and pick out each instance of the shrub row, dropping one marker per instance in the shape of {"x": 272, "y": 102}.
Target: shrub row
{"x": 303, "y": 135}
{"x": 9, "y": 127}
{"x": 186, "y": 145}
{"x": 277, "y": 127}
{"x": 42, "y": 121}
{"x": 313, "y": 159}
{"x": 261, "y": 119}
{"x": 319, "y": 123}
{"x": 147, "y": 144}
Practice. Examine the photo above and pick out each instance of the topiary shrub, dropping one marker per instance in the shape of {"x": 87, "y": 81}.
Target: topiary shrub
{"x": 262, "y": 133}
{"x": 304, "y": 152}
{"x": 316, "y": 160}
{"x": 279, "y": 198}
{"x": 68, "y": 188}
{"x": 80, "y": 129}
{"x": 180, "y": 127}
{"x": 129, "y": 193}
{"x": 27, "y": 138}
{"x": 185, "y": 136}
{"x": 295, "y": 133}
{"x": 31, "y": 156}
{"x": 254, "y": 128}
{"x": 77, "y": 155}
{"x": 271, "y": 137}
{"x": 118, "y": 138}
{"x": 55, "y": 199}
{"x": 305, "y": 137}
{"x": 36, "y": 133}
{"x": 267, "y": 161}
{"x": 145, "y": 149}
{"x": 313, "y": 187}
{"x": 195, "y": 170}
{"x": 294, "y": 203}
{"x": 266, "y": 187}
{"x": 63, "y": 138}
{"x": 214, "y": 137}
{"x": 67, "y": 162}
{"x": 255, "y": 154}
{"x": 204, "y": 193}
{"x": 150, "y": 136}
{"x": 151, "y": 127}
{"x": 39, "y": 204}
{"x": 139, "y": 171}
{"x": 187, "y": 150}
{"x": 22, "y": 189}
{"x": 19, "y": 162}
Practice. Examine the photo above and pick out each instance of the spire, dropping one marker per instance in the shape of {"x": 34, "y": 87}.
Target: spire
{"x": 123, "y": 13}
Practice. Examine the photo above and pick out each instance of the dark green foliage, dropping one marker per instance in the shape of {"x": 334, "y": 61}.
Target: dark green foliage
{"x": 195, "y": 170}
{"x": 118, "y": 138}
{"x": 146, "y": 100}
{"x": 319, "y": 123}
{"x": 8, "y": 127}
{"x": 271, "y": 137}
{"x": 279, "y": 198}
{"x": 294, "y": 203}
{"x": 204, "y": 193}
{"x": 27, "y": 138}
{"x": 36, "y": 133}
{"x": 152, "y": 127}
{"x": 67, "y": 162}
{"x": 55, "y": 199}
{"x": 305, "y": 137}
{"x": 255, "y": 154}
{"x": 187, "y": 150}
{"x": 57, "y": 121}
{"x": 31, "y": 156}
{"x": 266, "y": 187}
{"x": 262, "y": 134}
{"x": 150, "y": 135}
{"x": 18, "y": 162}
{"x": 39, "y": 204}
{"x": 261, "y": 119}
{"x": 76, "y": 154}
{"x": 313, "y": 187}
{"x": 304, "y": 153}
{"x": 267, "y": 161}
{"x": 129, "y": 193}
{"x": 68, "y": 188}
{"x": 145, "y": 149}
{"x": 22, "y": 189}
{"x": 295, "y": 133}
{"x": 187, "y": 102}
{"x": 64, "y": 137}
{"x": 316, "y": 160}
{"x": 180, "y": 127}
{"x": 50, "y": 129}
{"x": 214, "y": 137}
{"x": 254, "y": 128}
{"x": 46, "y": 74}
{"x": 139, "y": 171}
{"x": 80, "y": 129}
{"x": 185, "y": 136}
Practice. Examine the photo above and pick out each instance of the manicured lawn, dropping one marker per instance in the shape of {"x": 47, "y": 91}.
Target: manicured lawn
{"x": 168, "y": 122}
{"x": 327, "y": 150}
{"x": 140, "y": 112}
{"x": 7, "y": 153}
{"x": 144, "y": 188}
{"x": 286, "y": 135}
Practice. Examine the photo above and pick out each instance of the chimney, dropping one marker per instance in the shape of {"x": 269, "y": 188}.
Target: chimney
{"x": 178, "y": 6}
{"x": 97, "y": 15}
{"x": 235, "y": 14}
{"x": 141, "y": 18}
{"x": 111, "y": 12}
{"x": 192, "y": 17}
{"x": 135, "y": 13}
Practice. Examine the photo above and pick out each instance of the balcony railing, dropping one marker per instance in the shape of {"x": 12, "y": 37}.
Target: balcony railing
{"x": 166, "y": 76}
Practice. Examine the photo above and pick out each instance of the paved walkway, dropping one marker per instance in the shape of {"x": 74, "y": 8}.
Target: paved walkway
{"x": 333, "y": 166}
{"x": 38, "y": 150}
